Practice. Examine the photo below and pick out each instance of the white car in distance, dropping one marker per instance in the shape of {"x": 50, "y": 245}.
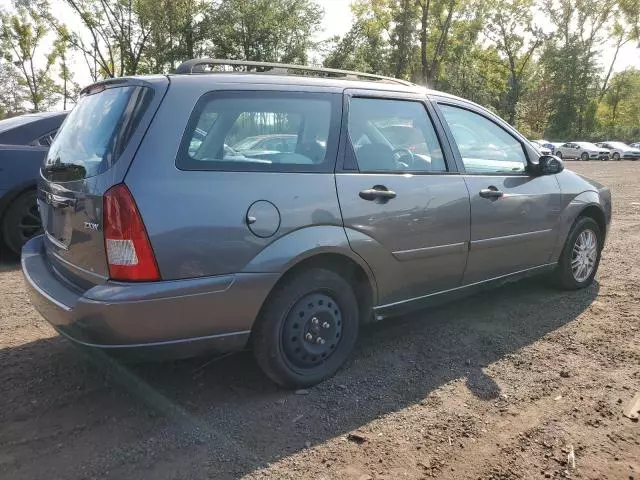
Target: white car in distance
{"x": 582, "y": 151}
{"x": 620, "y": 150}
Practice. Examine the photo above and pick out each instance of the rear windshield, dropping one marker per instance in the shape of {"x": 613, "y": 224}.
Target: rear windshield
{"x": 95, "y": 133}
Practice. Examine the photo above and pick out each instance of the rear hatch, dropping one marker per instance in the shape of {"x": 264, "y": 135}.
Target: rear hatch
{"x": 91, "y": 154}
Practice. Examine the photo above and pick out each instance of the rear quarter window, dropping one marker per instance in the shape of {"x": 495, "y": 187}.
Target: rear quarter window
{"x": 262, "y": 131}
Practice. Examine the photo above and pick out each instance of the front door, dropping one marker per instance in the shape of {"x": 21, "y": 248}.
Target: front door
{"x": 405, "y": 207}
{"x": 514, "y": 215}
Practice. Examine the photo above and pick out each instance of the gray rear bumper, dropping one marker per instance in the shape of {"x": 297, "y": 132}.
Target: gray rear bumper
{"x": 211, "y": 313}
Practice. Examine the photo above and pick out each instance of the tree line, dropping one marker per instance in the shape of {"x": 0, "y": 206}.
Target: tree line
{"x": 539, "y": 64}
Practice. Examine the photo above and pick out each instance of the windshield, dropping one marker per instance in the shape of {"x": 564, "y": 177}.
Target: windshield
{"x": 618, "y": 145}
{"x": 95, "y": 133}
{"x": 588, "y": 145}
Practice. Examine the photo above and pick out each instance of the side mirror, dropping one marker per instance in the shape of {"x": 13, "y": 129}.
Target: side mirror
{"x": 550, "y": 165}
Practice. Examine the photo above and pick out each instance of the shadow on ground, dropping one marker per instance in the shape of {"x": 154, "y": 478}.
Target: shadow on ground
{"x": 222, "y": 418}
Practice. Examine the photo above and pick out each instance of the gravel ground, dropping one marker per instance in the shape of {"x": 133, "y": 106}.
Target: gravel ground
{"x": 521, "y": 382}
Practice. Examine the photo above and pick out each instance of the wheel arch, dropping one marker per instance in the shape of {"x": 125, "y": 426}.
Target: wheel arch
{"x": 586, "y": 204}
{"x": 319, "y": 246}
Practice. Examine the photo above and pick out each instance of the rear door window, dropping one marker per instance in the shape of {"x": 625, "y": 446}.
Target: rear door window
{"x": 262, "y": 131}
{"x": 96, "y": 132}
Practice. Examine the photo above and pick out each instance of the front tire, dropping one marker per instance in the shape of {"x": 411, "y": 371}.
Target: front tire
{"x": 558, "y": 154}
{"x": 307, "y": 328}
{"x": 616, "y": 156}
{"x": 21, "y": 221}
{"x": 580, "y": 256}
{"x": 584, "y": 156}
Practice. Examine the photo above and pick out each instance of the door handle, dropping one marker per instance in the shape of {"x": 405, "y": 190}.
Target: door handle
{"x": 377, "y": 193}
{"x": 491, "y": 192}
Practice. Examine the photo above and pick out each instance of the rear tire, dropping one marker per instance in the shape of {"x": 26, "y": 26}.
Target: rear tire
{"x": 568, "y": 274}
{"x": 307, "y": 328}
{"x": 616, "y": 156}
{"x": 21, "y": 221}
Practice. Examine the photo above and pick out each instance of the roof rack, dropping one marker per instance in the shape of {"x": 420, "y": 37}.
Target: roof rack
{"x": 197, "y": 65}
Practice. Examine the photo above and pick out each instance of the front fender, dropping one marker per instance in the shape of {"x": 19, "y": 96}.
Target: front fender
{"x": 299, "y": 245}
{"x": 569, "y": 215}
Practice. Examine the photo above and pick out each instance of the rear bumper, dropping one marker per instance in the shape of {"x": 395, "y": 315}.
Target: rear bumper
{"x": 176, "y": 318}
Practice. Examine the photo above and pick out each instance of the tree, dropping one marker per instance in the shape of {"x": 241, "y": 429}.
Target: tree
{"x": 366, "y": 46}
{"x": 402, "y": 36}
{"x": 12, "y": 94}
{"x": 68, "y": 89}
{"x": 176, "y": 33}
{"x": 22, "y": 41}
{"x": 262, "y": 30}
{"x": 511, "y": 28}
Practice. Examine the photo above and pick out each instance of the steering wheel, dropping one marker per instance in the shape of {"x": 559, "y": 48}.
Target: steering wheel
{"x": 401, "y": 154}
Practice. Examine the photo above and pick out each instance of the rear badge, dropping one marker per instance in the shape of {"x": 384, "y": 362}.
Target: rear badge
{"x": 91, "y": 226}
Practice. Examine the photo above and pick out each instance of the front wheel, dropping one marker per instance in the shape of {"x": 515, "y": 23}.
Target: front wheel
{"x": 558, "y": 154}
{"x": 616, "y": 156}
{"x": 580, "y": 256}
{"x": 307, "y": 328}
{"x": 584, "y": 156}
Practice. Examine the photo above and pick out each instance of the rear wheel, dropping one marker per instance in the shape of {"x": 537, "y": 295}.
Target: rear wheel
{"x": 584, "y": 156}
{"x": 616, "y": 156}
{"x": 21, "y": 221}
{"x": 307, "y": 329}
{"x": 580, "y": 256}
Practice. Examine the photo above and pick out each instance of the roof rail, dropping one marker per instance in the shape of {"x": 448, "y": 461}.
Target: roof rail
{"x": 197, "y": 65}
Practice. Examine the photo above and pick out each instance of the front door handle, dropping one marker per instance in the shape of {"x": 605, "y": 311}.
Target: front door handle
{"x": 378, "y": 192}
{"x": 491, "y": 192}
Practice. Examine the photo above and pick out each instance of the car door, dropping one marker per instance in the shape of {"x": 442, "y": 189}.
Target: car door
{"x": 406, "y": 214}
{"x": 514, "y": 214}
{"x": 567, "y": 150}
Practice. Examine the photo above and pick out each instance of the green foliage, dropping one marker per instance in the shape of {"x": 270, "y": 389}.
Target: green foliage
{"x": 262, "y": 30}
{"x": 22, "y": 42}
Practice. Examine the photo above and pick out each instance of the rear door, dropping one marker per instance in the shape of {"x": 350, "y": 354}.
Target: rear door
{"x": 406, "y": 212}
{"x": 514, "y": 214}
{"x": 90, "y": 154}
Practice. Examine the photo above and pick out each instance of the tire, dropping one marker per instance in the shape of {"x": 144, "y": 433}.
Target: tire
{"x": 616, "y": 156}
{"x": 558, "y": 154}
{"x": 21, "y": 221}
{"x": 584, "y": 156}
{"x": 309, "y": 307}
{"x": 564, "y": 276}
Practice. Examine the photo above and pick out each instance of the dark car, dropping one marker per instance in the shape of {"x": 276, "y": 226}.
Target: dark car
{"x": 24, "y": 141}
{"x": 157, "y": 240}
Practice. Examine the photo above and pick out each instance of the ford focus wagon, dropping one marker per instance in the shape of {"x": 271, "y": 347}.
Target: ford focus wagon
{"x": 357, "y": 197}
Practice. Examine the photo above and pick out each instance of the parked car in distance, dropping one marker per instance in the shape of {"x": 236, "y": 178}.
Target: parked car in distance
{"x": 582, "y": 151}
{"x": 24, "y": 141}
{"x": 546, "y": 144}
{"x": 542, "y": 149}
{"x": 620, "y": 150}
{"x": 153, "y": 247}
{"x": 635, "y": 145}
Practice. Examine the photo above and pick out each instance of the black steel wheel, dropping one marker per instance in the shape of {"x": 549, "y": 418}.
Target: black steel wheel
{"x": 21, "y": 221}
{"x": 307, "y": 328}
{"x": 312, "y": 330}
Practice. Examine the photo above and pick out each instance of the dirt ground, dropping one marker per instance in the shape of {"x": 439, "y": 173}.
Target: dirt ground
{"x": 522, "y": 382}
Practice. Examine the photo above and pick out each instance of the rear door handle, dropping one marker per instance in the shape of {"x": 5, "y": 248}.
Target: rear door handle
{"x": 491, "y": 192}
{"x": 376, "y": 193}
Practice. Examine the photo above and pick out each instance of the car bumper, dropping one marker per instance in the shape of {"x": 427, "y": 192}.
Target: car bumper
{"x": 178, "y": 318}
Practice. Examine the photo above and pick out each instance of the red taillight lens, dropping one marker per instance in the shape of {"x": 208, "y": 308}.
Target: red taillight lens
{"x": 126, "y": 242}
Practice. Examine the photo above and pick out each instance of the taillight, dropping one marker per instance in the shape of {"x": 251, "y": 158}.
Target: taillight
{"x": 126, "y": 242}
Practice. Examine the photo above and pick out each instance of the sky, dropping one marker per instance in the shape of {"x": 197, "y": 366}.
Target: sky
{"x": 337, "y": 21}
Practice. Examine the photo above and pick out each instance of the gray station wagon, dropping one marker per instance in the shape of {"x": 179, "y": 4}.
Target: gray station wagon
{"x": 160, "y": 238}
